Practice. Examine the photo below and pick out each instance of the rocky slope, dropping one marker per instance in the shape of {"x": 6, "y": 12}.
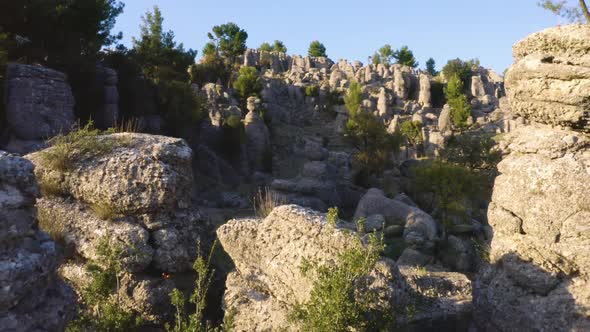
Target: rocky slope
{"x": 137, "y": 195}
{"x": 32, "y": 296}
{"x": 539, "y": 273}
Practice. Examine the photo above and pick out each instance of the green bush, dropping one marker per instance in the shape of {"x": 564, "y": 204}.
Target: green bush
{"x": 463, "y": 69}
{"x": 457, "y": 100}
{"x": 412, "y": 133}
{"x": 332, "y": 216}
{"x": 316, "y": 49}
{"x": 475, "y": 151}
{"x": 340, "y": 299}
{"x": 451, "y": 185}
{"x": 102, "y": 309}
{"x": 312, "y": 91}
{"x": 248, "y": 83}
{"x": 209, "y": 72}
{"x": 182, "y": 108}
{"x": 195, "y": 321}
{"x": 368, "y": 135}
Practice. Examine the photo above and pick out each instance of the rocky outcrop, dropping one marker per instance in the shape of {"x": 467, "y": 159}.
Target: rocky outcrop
{"x": 268, "y": 254}
{"x": 268, "y": 282}
{"x": 549, "y": 82}
{"x": 137, "y": 195}
{"x": 39, "y": 105}
{"x": 539, "y": 273}
{"x": 32, "y": 296}
{"x": 420, "y": 230}
{"x": 108, "y": 114}
{"x": 257, "y": 138}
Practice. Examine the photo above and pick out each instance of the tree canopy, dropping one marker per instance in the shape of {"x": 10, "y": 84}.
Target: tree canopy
{"x": 404, "y": 56}
{"x": 227, "y": 39}
{"x": 457, "y": 100}
{"x": 431, "y": 67}
{"x": 578, "y": 13}
{"x": 316, "y": 49}
{"x": 54, "y": 32}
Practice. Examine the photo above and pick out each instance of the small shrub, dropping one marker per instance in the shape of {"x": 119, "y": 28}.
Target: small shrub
{"x": 265, "y": 201}
{"x": 360, "y": 225}
{"x": 204, "y": 276}
{"x": 102, "y": 309}
{"x": 474, "y": 151}
{"x": 332, "y": 216}
{"x": 232, "y": 121}
{"x": 248, "y": 83}
{"x": 340, "y": 299}
{"x": 312, "y": 91}
{"x": 451, "y": 185}
{"x": 411, "y": 132}
{"x": 79, "y": 144}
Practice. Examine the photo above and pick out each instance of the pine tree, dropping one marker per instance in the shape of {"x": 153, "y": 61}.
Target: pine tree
{"x": 457, "y": 100}
{"x": 431, "y": 67}
{"x": 405, "y": 56}
{"x": 316, "y": 49}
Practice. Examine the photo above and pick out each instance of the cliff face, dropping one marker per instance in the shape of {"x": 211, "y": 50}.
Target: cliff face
{"x": 32, "y": 297}
{"x": 540, "y": 210}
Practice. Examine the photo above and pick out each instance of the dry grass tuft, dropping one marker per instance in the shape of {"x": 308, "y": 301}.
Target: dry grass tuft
{"x": 265, "y": 201}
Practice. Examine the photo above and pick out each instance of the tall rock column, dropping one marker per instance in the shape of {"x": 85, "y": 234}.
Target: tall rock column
{"x": 538, "y": 279}
{"x": 32, "y": 297}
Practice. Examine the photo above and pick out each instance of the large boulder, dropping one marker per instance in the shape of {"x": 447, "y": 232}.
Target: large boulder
{"x": 420, "y": 230}
{"x": 550, "y": 80}
{"x": 136, "y": 195}
{"x": 39, "y": 102}
{"x": 141, "y": 174}
{"x": 32, "y": 297}
{"x": 268, "y": 254}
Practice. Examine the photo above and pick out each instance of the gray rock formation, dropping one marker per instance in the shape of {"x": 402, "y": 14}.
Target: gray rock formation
{"x": 32, "y": 297}
{"x": 539, "y": 273}
{"x": 137, "y": 195}
{"x": 39, "y": 102}
{"x": 108, "y": 114}
{"x": 420, "y": 230}
{"x": 257, "y": 139}
{"x": 268, "y": 281}
{"x": 268, "y": 253}
{"x": 542, "y": 87}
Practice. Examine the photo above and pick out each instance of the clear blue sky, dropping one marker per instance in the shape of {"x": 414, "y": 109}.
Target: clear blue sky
{"x": 442, "y": 29}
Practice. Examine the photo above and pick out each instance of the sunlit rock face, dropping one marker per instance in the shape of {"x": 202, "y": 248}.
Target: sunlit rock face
{"x": 540, "y": 210}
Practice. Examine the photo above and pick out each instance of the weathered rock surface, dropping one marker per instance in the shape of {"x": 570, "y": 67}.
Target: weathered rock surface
{"x": 420, "y": 230}
{"x": 268, "y": 282}
{"x": 32, "y": 297}
{"x": 39, "y": 102}
{"x": 550, "y": 80}
{"x": 539, "y": 273}
{"x": 138, "y": 196}
{"x": 151, "y": 174}
{"x": 268, "y": 255}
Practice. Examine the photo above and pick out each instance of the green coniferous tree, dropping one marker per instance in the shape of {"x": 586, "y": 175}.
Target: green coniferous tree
{"x": 316, "y": 49}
